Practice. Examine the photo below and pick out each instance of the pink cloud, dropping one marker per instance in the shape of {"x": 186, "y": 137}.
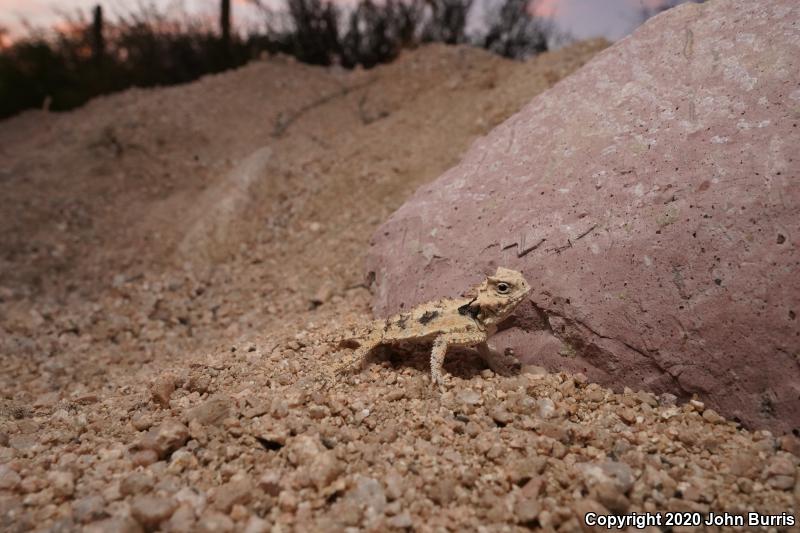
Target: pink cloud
{"x": 546, "y": 8}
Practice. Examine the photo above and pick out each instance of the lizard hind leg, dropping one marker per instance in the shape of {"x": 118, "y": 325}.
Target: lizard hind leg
{"x": 360, "y": 356}
{"x": 498, "y": 362}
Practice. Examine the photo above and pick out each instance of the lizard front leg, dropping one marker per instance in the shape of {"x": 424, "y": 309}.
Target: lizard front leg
{"x": 442, "y": 343}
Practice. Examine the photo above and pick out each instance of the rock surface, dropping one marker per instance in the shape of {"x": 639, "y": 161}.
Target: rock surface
{"x": 651, "y": 199}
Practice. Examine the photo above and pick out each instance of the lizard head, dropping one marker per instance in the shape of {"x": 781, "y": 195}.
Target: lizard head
{"x": 498, "y": 295}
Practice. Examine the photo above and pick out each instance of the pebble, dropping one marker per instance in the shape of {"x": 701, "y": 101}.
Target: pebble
{"x": 144, "y": 457}
{"x": 394, "y": 485}
{"x": 32, "y": 484}
{"x": 397, "y": 394}
{"x": 501, "y": 416}
{"x": 533, "y": 370}
{"x": 620, "y": 473}
{"x": 63, "y": 483}
{"x": 48, "y": 399}
{"x": 88, "y": 509}
{"x": 666, "y": 399}
{"x": 781, "y": 472}
{"x": 595, "y": 395}
{"x": 400, "y": 521}
{"x": 317, "y": 412}
{"x": 546, "y": 408}
{"x": 211, "y": 412}
{"x": 584, "y": 506}
{"x": 790, "y": 444}
{"x": 526, "y": 510}
{"x": 214, "y": 522}
{"x": 557, "y": 431}
{"x": 151, "y": 510}
{"x": 627, "y": 415}
{"x": 469, "y": 397}
{"x": 647, "y": 398}
{"x": 611, "y": 496}
{"x": 270, "y": 482}
{"x": 135, "y": 483}
{"x": 711, "y": 416}
{"x": 743, "y": 464}
{"x": 303, "y": 449}
{"x": 142, "y": 421}
{"x": 9, "y": 479}
{"x": 698, "y": 405}
{"x": 232, "y": 493}
{"x": 182, "y": 520}
{"x": 443, "y": 491}
{"x": 257, "y": 525}
{"x": 198, "y": 382}
{"x": 85, "y": 399}
{"x": 165, "y": 438}
{"x": 180, "y": 460}
{"x": 162, "y": 390}
{"x": 324, "y": 469}
{"x": 22, "y": 442}
{"x": 114, "y": 525}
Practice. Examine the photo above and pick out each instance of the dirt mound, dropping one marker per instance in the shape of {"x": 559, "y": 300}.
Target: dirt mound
{"x": 118, "y": 184}
{"x": 175, "y": 263}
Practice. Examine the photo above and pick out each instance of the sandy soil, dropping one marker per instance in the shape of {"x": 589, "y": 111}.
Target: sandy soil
{"x": 176, "y": 266}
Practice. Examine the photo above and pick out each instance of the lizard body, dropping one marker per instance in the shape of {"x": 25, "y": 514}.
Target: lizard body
{"x": 449, "y": 322}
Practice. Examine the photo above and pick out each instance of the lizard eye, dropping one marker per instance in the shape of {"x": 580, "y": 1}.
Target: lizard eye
{"x": 502, "y": 288}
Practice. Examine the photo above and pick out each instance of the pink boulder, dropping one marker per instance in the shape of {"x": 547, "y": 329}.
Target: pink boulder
{"x": 652, "y": 200}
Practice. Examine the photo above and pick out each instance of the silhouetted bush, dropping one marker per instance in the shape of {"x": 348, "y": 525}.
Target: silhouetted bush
{"x": 62, "y": 70}
{"x": 447, "y": 22}
{"x": 315, "y": 37}
{"x": 65, "y": 67}
{"x": 376, "y": 34}
{"x": 514, "y": 32}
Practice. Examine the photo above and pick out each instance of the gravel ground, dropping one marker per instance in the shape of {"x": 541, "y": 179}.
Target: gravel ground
{"x": 252, "y": 437}
{"x": 189, "y": 395}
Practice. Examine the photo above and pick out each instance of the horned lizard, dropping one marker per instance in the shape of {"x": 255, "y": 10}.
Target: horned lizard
{"x": 449, "y": 322}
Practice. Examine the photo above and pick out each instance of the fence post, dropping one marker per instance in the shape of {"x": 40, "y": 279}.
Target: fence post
{"x": 225, "y": 26}
{"x": 98, "y": 42}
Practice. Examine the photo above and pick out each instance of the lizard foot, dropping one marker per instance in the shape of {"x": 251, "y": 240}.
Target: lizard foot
{"x": 443, "y": 383}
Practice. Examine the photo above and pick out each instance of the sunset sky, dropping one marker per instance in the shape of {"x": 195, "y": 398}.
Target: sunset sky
{"x": 582, "y": 18}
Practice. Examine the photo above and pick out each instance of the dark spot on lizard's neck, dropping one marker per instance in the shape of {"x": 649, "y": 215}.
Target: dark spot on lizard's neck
{"x": 428, "y": 316}
{"x": 471, "y": 311}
